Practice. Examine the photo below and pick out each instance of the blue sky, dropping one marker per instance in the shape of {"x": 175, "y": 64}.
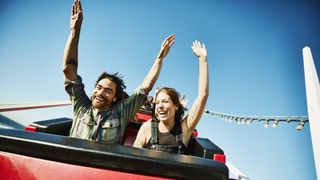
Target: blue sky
{"x": 255, "y": 63}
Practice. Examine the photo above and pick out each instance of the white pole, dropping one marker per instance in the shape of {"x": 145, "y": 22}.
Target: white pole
{"x": 27, "y": 106}
{"x": 313, "y": 102}
{"x": 236, "y": 172}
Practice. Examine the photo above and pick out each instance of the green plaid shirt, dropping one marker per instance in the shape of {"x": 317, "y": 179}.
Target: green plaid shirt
{"x": 113, "y": 121}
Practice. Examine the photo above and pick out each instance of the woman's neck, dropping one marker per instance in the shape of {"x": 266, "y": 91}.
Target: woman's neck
{"x": 166, "y": 126}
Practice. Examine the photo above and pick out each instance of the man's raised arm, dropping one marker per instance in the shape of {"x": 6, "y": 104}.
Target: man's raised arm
{"x": 70, "y": 58}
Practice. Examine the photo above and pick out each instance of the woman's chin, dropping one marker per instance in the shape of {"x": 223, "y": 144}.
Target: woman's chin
{"x": 164, "y": 120}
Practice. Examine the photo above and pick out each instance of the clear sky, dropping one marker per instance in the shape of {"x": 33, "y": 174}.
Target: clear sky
{"x": 255, "y": 64}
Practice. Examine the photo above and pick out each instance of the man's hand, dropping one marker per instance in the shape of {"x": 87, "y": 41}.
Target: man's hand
{"x": 166, "y": 45}
{"x": 199, "y": 50}
{"x": 76, "y": 17}
{"x": 70, "y": 57}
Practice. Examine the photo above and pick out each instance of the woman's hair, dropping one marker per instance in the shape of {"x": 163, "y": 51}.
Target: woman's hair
{"x": 175, "y": 97}
{"x": 117, "y": 79}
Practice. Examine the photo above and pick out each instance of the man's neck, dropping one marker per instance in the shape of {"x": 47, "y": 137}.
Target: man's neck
{"x": 96, "y": 110}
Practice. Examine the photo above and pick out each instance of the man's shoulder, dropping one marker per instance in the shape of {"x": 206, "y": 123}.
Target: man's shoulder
{"x": 84, "y": 109}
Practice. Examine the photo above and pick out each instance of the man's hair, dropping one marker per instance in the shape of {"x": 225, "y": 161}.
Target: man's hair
{"x": 175, "y": 97}
{"x": 117, "y": 79}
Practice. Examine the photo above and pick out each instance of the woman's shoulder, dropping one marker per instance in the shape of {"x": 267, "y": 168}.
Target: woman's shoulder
{"x": 146, "y": 124}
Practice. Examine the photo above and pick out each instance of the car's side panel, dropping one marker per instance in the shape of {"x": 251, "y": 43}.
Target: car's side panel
{"x": 111, "y": 157}
{"x": 18, "y": 167}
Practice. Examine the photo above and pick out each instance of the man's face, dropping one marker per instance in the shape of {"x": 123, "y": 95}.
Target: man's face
{"x": 104, "y": 94}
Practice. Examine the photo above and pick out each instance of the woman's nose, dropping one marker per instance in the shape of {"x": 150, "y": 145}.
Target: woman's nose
{"x": 160, "y": 105}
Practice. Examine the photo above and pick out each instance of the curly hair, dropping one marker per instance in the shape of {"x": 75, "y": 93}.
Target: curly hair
{"x": 117, "y": 79}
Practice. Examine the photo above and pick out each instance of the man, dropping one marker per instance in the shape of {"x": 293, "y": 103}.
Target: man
{"x": 105, "y": 116}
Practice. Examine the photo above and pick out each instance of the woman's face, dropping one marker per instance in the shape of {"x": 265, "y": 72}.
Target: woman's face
{"x": 165, "y": 109}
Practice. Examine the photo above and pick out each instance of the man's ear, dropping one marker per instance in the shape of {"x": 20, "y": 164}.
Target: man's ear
{"x": 114, "y": 99}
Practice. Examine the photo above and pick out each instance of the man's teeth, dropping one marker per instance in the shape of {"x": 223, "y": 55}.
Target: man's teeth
{"x": 99, "y": 99}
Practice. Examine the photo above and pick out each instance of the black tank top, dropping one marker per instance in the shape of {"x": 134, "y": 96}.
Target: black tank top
{"x": 169, "y": 141}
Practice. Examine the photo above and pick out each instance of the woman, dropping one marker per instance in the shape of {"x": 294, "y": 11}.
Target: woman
{"x": 168, "y": 131}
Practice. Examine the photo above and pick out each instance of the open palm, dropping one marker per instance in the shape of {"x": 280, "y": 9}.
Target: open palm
{"x": 198, "y": 49}
{"x": 76, "y": 17}
{"x": 166, "y": 45}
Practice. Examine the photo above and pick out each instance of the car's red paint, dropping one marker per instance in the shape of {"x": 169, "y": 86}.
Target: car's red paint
{"x": 19, "y": 167}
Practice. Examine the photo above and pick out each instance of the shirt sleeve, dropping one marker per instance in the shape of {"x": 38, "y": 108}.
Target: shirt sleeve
{"x": 131, "y": 105}
{"x": 76, "y": 92}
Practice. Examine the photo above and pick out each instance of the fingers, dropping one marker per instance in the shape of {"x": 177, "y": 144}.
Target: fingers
{"x": 171, "y": 43}
{"x": 194, "y": 45}
{"x": 193, "y": 48}
{"x": 80, "y": 7}
{"x": 73, "y": 10}
{"x": 197, "y": 45}
{"x": 203, "y": 46}
{"x": 171, "y": 37}
{"x": 199, "y": 49}
{"x": 169, "y": 40}
{"x": 76, "y": 7}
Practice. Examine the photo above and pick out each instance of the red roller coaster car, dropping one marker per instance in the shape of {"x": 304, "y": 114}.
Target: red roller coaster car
{"x": 44, "y": 151}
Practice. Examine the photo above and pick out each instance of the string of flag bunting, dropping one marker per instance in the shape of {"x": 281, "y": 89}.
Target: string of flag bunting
{"x": 267, "y": 121}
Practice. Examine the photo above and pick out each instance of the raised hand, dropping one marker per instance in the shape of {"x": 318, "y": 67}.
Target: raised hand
{"x": 199, "y": 50}
{"x": 76, "y": 16}
{"x": 166, "y": 45}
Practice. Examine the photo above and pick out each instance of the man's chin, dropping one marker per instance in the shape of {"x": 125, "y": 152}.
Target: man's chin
{"x": 99, "y": 106}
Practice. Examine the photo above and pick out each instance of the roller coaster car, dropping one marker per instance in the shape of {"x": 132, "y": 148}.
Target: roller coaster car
{"x": 44, "y": 151}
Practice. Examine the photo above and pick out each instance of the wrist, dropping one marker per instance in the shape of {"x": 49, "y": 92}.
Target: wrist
{"x": 160, "y": 57}
{"x": 203, "y": 58}
{"x": 75, "y": 28}
{"x": 74, "y": 32}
